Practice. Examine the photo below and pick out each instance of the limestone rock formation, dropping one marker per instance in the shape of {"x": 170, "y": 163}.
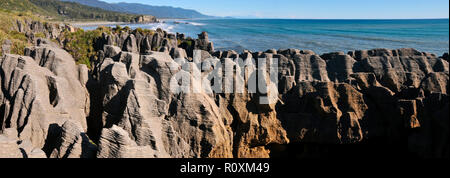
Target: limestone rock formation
{"x": 138, "y": 100}
{"x": 72, "y": 143}
{"x": 50, "y": 30}
{"x": 325, "y": 113}
{"x": 126, "y": 105}
{"x": 203, "y": 42}
{"x": 145, "y": 19}
{"x": 9, "y": 148}
{"x": 116, "y": 143}
{"x": 6, "y": 46}
{"x": 40, "y": 92}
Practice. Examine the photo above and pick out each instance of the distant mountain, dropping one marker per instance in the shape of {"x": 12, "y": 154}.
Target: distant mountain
{"x": 137, "y": 8}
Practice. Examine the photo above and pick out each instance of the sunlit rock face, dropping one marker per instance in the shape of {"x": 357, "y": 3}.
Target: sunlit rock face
{"x": 125, "y": 106}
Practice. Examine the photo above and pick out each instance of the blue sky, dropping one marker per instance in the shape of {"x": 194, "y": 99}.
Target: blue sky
{"x": 312, "y": 9}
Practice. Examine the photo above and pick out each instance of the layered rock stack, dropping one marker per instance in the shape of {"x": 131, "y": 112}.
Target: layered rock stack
{"x": 124, "y": 107}
{"x": 145, "y": 19}
{"x": 49, "y": 30}
{"x": 40, "y": 92}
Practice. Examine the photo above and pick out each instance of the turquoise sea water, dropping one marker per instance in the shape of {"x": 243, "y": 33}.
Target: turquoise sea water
{"x": 430, "y": 35}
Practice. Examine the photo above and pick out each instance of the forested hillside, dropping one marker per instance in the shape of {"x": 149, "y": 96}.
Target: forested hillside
{"x": 66, "y": 11}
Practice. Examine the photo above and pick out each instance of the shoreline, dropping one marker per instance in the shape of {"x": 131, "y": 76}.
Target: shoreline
{"x": 176, "y": 21}
{"x": 104, "y": 23}
{"x": 98, "y": 23}
{"x": 335, "y": 40}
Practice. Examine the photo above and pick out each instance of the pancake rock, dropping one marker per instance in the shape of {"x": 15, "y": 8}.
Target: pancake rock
{"x": 126, "y": 106}
{"x": 40, "y": 92}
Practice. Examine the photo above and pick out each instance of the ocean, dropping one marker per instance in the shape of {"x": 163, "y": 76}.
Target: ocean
{"x": 321, "y": 36}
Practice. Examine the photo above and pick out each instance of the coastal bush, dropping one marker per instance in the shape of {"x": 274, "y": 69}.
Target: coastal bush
{"x": 2, "y": 39}
{"x": 39, "y": 35}
{"x": 18, "y": 47}
{"x": 8, "y": 30}
{"x": 188, "y": 42}
{"x": 126, "y": 28}
{"x": 18, "y": 43}
{"x": 107, "y": 30}
{"x": 17, "y": 35}
{"x": 80, "y": 45}
{"x": 119, "y": 29}
{"x": 144, "y": 31}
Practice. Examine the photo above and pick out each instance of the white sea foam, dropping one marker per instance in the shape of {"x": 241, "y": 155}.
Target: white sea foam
{"x": 190, "y": 23}
{"x": 321, "y": 36}
{"x": 197, "y": 24}
{"x": 164, "y": 26}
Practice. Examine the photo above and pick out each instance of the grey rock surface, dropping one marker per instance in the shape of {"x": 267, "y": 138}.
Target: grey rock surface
{"x": 125, "y": 107}
{"x": 41, "y": 92}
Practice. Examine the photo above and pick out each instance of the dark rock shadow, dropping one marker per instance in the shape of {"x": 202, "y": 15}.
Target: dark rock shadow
{"x": 53, "y": 136}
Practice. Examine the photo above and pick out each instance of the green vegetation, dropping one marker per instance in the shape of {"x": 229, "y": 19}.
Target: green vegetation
{"x": 80, "y": 44}
{"x": 119, "y": 29}
{"x": 188, "y": 42}
{"x": 145, "y": 31}
{"x": 139, "y": 8}
{"x": 7, "y": 29}
{"x": 64, "y": 11}
{"x": 74, "y": 11}
{"x": 39, "y": 35}
{"x": 22, "y": 6}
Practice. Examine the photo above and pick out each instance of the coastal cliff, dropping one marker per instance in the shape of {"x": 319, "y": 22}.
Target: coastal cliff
{"x": 120, "y": 105}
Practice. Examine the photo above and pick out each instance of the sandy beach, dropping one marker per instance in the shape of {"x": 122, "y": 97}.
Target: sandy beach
{"x": 87, "y": 24}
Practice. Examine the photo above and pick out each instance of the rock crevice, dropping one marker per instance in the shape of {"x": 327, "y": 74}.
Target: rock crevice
{"x": 124, "y": 105}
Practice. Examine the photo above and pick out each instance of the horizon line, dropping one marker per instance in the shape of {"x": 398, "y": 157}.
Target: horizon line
{"x": 272, "y": 18}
